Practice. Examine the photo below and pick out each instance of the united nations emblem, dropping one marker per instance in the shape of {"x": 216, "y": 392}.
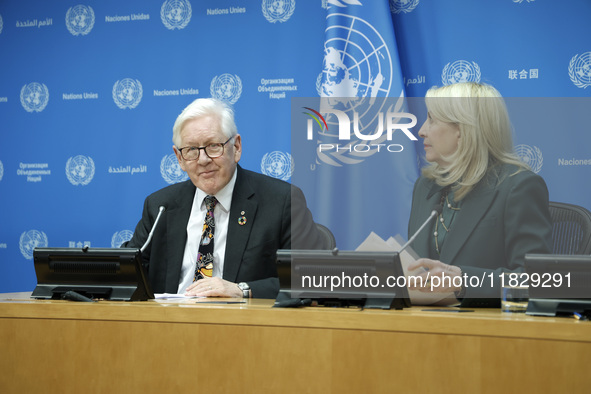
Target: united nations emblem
{"x": 1, "y": 170}
{"x": 1, "y": 24}
{"x": 80, "y": 20}
{"x": 460, "y": 71}
{"x": 119, "y": 237}
{"x": 80, "y": 170}
{"x": 171, "y": 171}
{"x": 127, "y": 93}
{"x": 226, "y": 87}
{"x": 530, "y": 155}
{"x": 277, "y": 165}
{"x": 30, "y": 240}
{"x": 319, "y": 83}
{"x": 176, "y": 14}
{"x": 579, "y": 70}
{"x": 278, "y": 10}
{"x": 34, "y": 97}
{"x": 398, "y": 6}
{"x": 356, "y": 78}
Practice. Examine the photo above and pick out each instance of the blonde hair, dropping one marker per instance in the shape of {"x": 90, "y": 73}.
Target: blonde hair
{"x": 485, "y": 140}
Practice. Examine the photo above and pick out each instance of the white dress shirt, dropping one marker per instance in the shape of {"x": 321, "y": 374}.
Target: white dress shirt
{"x": 221, "y": 214}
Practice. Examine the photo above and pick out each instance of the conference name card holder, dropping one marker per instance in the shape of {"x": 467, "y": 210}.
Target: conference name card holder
{"x": 558, "y": 285}
{"x": 88, "y": 274}
{"x": 340, "y": 279}
{"x": 382, "y": 260}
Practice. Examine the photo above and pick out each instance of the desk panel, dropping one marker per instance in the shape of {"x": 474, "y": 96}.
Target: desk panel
{"x": 161, "y": 346}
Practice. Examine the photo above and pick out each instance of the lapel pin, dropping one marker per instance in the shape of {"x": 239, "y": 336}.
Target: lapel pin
{"x": 242, "y": 219}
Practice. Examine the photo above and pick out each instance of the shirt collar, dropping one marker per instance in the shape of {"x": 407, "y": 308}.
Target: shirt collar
{"x": 224, "y": 196}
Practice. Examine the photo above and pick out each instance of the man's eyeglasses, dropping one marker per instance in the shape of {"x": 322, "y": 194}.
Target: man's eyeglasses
{"x": 212, "y": 151}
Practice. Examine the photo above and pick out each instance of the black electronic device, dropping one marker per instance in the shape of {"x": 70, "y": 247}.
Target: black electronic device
{"x": 558, "y": 284}
{"x": 96, "y": 273}
{"x": 366, "y": 279}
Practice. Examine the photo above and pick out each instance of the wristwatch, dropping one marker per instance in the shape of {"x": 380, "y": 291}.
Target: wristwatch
{"x": 245, "y": 289}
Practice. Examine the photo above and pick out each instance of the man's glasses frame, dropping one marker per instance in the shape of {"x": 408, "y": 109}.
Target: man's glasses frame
{"x": 213, "y": 151}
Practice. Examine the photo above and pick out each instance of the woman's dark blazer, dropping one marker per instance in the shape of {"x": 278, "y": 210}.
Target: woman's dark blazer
{"x": 504, "y": 217}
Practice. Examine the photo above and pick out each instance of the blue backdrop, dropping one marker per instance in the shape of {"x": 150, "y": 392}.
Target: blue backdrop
{"x": 89, "y": 93}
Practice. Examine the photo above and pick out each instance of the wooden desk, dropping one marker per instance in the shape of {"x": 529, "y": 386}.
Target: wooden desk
{"x": 189, "y": 346}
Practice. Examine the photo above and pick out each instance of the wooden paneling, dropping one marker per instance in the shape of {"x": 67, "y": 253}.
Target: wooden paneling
{"x": 157, "y": 347}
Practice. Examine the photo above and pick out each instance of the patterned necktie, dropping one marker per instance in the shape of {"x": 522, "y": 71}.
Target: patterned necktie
{"x": 204, "y": 265}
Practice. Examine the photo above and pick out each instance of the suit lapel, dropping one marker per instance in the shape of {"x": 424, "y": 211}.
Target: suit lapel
{"x": 176, "y": 224}
{"x": 244, "y": 204}
{"x": 421, "y": 243}
{"x": 474, "y": 207}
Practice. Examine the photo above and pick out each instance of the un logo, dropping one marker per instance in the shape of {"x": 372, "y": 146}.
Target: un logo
{"x": 278, "y": 165}
{"x": 80, "y": 20}
{"x": 171, "y": 171}
{"x": 119, "y": 237}
{"x": 398, "y": 6}
{"x": 278, "y": 11}
{"x": 127, "y": 93}
{"x": 460, "y": 71}
{"x": 530, "y": 155}
{"x": 579, "y": 70}
{"x": 352, "y": 66}
{"x": 176, "y": 14}
{"x": 1, "y": 170}
{"x": 34, "y": 97}
{"x": 1, "y": 24}
{"x": 30, "y": 240}
{"x": 356, "y": 78}
{"x": 226, "y": 87}
{"x": 80, "y": 170}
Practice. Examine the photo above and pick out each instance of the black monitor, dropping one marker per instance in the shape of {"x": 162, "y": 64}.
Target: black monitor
{"x": 558, "y": 284}
{"x": 96, "y": 273}
{"x": 366, "y": 279}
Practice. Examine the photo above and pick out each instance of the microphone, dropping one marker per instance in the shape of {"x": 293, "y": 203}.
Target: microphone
{"x": 436, "y": 211}
{"x": 293, "y": 303}
{"x": 161, "y": 209}
{"x": 73, "y": 296}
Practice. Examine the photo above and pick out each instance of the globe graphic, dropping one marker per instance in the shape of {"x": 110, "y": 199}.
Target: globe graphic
{"x": 80, "y": 17}
{"x": 532, "y": 156}
{"x": 31, "y": 239}
{"x": 339, "y": 81}
{"x": 176, "y": 13}
{"x": 279, "y": 8}
{"x": 171, "y": 171}
{"x": 583, "y": 68}
{"x": 226, "y": 87}
{"x": 278, "y": 165}
{"x": 35, "y": 96}
{"x": 357, "y": 69}
{"x": 80, "y": 169}
{"x": 460, "y": 71}
{"x": 120, "y": 237}
{"x": 127, "y": 91}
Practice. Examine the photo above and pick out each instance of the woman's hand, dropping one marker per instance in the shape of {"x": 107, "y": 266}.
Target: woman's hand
{"x": 437, "y": 276}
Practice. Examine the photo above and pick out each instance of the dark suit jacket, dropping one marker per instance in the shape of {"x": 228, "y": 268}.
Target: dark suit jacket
{"x": 504, "y": 217}
{"x": 251, "y": 248}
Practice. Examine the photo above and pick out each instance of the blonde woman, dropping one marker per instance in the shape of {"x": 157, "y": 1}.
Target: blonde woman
{"x": 494, "y": 209}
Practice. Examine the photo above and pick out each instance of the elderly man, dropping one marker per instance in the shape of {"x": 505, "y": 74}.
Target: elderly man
{"x": 221, "y": 229}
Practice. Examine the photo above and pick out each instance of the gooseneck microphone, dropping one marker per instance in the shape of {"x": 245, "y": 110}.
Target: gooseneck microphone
{"x": 161, "y": 209}
{"x": 435, "y": 212}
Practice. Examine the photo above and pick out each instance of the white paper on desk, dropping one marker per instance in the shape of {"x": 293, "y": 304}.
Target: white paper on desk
{"x": 374, "y": 243}
{"x": 170, "y": 296}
